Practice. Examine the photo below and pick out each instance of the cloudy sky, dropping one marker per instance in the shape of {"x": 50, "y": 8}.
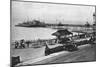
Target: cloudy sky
{"x": 52, "y": 13}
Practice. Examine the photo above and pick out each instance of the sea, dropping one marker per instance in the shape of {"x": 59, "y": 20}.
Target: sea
{"x": 31, "y": 33}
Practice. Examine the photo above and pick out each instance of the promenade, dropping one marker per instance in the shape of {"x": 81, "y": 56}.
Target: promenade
{"x": 85, "y": 53}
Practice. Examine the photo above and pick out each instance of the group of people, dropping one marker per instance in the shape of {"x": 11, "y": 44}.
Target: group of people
{"x": 21, "y": 44}
{"x": 27, "y": 43}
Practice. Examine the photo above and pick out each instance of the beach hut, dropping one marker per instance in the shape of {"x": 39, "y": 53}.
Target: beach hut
{"x": 61, "y": 33}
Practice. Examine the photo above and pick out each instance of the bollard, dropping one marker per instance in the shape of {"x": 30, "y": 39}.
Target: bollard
{"x": 15, "y": 60}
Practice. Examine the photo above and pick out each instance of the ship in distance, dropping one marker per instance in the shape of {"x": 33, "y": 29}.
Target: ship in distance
{"x": 33, "y": 23}
{"x": 38, "y": 23}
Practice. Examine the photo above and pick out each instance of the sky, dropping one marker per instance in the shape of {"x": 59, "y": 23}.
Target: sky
{"x": 52, "y": 13}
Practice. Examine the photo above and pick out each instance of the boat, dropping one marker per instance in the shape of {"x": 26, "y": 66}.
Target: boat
{"x": 33, "y": 23}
